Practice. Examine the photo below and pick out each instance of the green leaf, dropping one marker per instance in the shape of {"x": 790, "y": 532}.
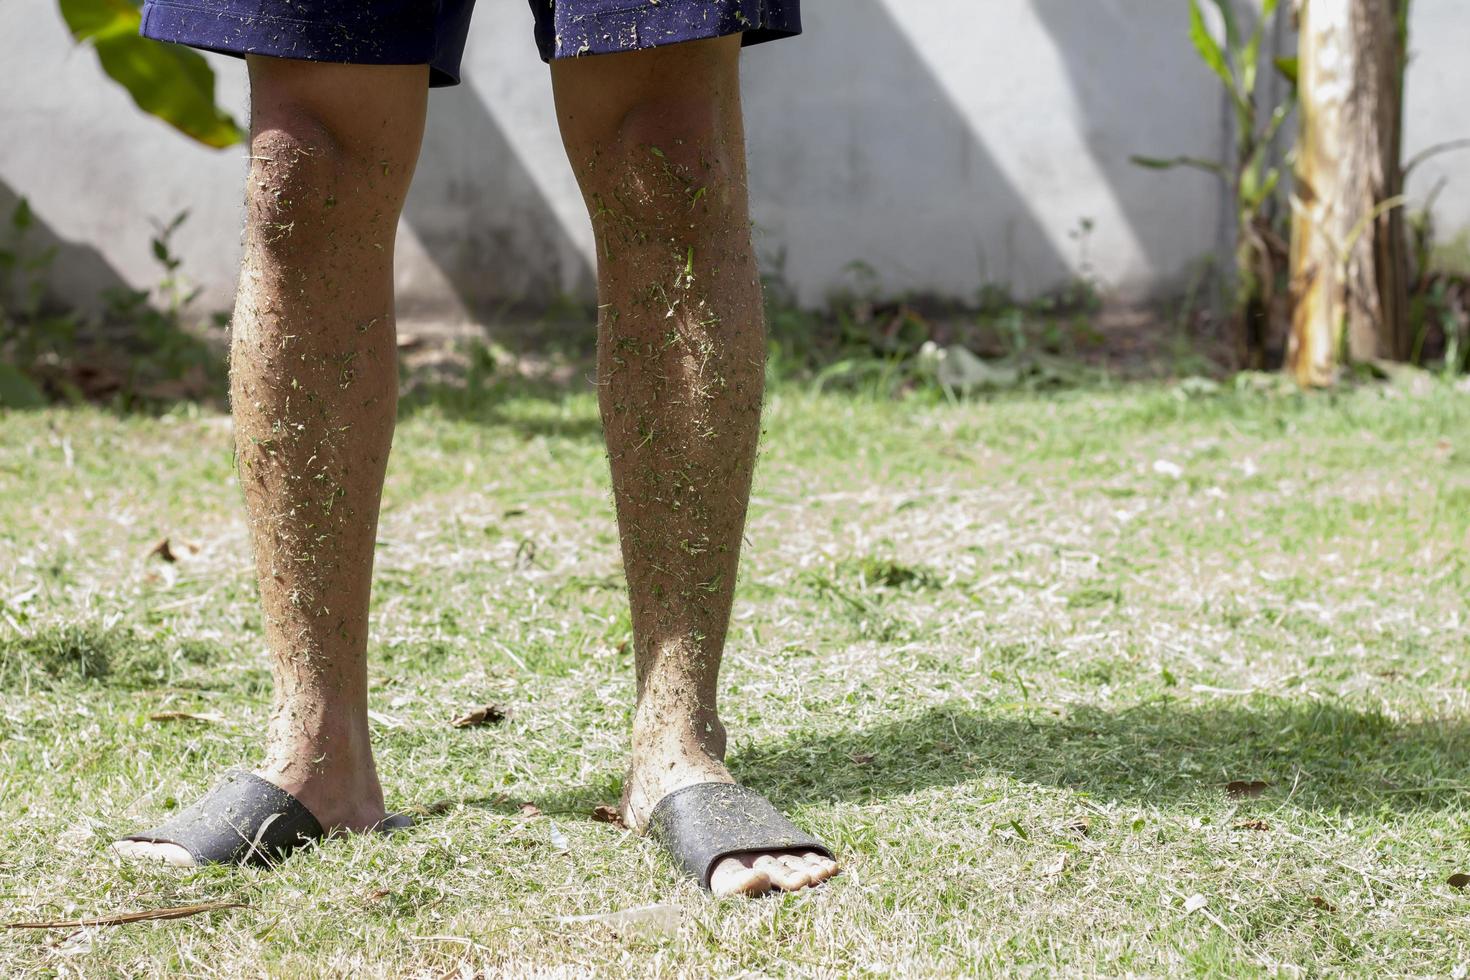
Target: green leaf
{"x": 1288, "y": 68}
{"x": 1162, "y": 163}
{"x": 1273, "y": 177}
{"x": 1251, "y": 57}
{"x": 89, "y": 19}
{"x": 1227, "y": 14}
{"x": 172, "y": 83}
{"x": 1250, "y": 186}
{"x": 1155, "y": 163}
{"x": 1209, "y": 49}
{"x": 165, "y": 80}
{"x": 17, "y": 390}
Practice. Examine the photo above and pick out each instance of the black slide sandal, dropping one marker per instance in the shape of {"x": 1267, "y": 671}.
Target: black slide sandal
{"x": 246, "y": 820}
{"x": 700, "y": 825}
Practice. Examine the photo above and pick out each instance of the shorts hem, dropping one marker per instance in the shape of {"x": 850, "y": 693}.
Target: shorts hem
{"x": 638, "y": 27}
{"x": 295, "y": 39}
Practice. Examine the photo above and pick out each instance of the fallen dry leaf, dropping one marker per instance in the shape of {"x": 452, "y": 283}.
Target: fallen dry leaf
{"x": 1245, "y": 788}
{"x": 862, "y": 758}
{"x": 1323, "y": 904}
{"x": 187, "y": 716}
{"x": 1458, "y": 880}
{"x": 1194, "y": 903}
{"x": 608, "y": 814}
{"x": 530, "y": 810}
{"x": 490, "y": 714}
{"x": 1081, "y": 826}
{"x": 170, "y": 550}
{"x": 1253, "y": 825}
{"x": 176, "y": 912}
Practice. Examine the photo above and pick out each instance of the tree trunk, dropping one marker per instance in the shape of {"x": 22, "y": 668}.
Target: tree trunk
{"x": 1349, "y": 258}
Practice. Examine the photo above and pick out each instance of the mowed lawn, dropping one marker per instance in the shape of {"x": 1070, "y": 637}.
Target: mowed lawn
{"x": 1148, "y": 679}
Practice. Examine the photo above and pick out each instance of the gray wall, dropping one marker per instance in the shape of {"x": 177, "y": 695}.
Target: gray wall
{"x": 944, "y": 143}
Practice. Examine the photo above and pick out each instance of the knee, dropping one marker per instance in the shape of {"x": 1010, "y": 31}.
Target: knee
{"x": 673, "y": 160}
{"x": 680, "y": 125}
{"x": 297, "y": 171}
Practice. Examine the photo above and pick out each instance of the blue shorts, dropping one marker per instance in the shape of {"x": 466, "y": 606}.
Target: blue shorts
{"x": 432, "y": 32}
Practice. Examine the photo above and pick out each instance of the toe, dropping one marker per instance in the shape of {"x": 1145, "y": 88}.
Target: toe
{"x": 783, "y": 875}
{"x": 819, "y": 867}
{"x": 798, "y": 867}
{"x": 736, "y": 876}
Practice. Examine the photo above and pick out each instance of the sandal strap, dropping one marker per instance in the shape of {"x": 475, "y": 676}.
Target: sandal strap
{"x": 244, "y": 819}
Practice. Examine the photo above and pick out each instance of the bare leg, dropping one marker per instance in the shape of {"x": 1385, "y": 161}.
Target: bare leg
{"x": 313, "y": 387}
{"x": 657, "y": 142}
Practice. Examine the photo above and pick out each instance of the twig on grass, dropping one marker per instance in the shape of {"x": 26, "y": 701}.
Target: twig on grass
{"x": 124, "y": 918}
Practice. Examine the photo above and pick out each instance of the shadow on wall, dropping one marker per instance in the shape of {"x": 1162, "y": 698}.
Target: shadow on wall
{"x": 481, "y": 217}
{"x": 1138, "y": 82}
{"x": 79, "y": 275}
{"x": 859, "y": 153}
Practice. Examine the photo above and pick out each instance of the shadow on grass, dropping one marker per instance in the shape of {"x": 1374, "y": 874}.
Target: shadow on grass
{"x": 528, "y": 407}
{"x": 1324, "y": 757}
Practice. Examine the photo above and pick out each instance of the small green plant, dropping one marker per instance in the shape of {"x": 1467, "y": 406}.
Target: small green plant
{"x": 1439, "y": 295}
{"x": 139, "y": 347}
{"x": 28, "y": 331}
{"x": 1081, "y": 295}
{"x": 154, "y": 319}
{"x": 1257, "y": 304}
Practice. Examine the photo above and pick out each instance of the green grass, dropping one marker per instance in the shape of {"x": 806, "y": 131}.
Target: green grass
{"x": 1005, "y": 656}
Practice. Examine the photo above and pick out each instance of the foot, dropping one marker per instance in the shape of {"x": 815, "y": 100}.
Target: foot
{"x": 658, "y": 771}
{"x": 343, "y": 800}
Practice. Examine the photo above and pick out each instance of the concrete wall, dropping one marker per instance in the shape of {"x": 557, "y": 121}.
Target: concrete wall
{"x": 944, "y": 143}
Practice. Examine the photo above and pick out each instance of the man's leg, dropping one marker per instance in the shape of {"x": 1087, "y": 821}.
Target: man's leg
{"x": 313, "y": 388}
{"x": 656, "y": 140}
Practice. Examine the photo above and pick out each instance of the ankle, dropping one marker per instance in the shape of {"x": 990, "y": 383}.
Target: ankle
{"x": 670, "y": 758}
{"x": 306, "y": 753}
{"x": 340, "y": 788}
{"x": 675, "y": 732}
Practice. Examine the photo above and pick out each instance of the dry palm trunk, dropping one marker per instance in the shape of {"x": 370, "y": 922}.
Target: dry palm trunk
{"x": 1349, "y": 260}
